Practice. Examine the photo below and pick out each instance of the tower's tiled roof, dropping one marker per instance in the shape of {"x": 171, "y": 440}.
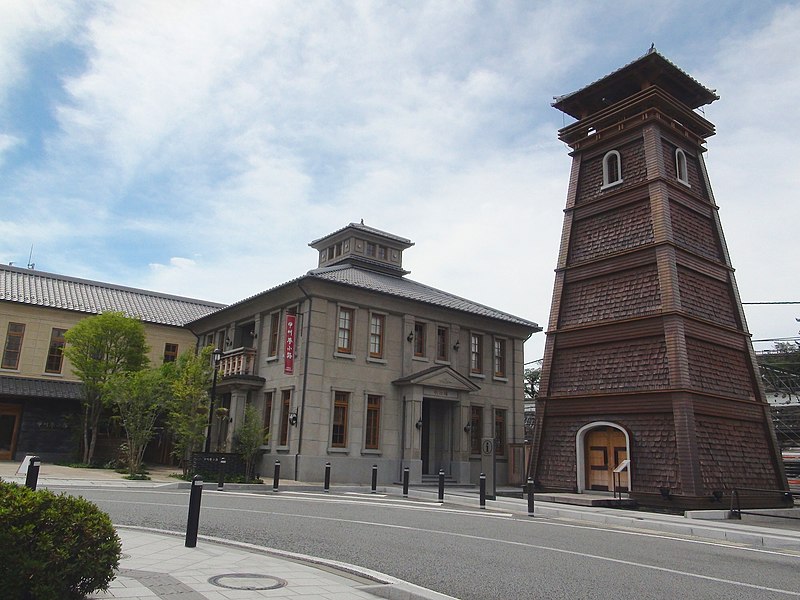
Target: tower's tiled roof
{"x": 411, "y": 290}
{"x": 93, "y": 297}
{"x": 652, "y": 67}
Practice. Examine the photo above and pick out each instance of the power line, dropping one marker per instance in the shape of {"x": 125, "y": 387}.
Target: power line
{"x": 779, "y": 302}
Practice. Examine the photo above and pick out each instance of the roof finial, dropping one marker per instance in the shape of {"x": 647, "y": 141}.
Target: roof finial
{"x": 652, "y": 48}
{"x": 362, "y": 221}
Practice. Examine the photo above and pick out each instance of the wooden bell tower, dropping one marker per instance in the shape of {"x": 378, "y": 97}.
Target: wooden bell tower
{"x": 648, "y": 357}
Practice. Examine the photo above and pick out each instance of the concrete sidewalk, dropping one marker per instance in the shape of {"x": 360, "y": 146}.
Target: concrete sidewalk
{"x": 158, "y": 565}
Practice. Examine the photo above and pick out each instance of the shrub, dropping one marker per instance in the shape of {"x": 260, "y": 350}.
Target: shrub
{"x": 53, "y": 546}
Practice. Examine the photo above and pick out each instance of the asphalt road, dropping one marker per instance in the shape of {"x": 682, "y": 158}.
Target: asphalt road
{"x": 468, "y": 553}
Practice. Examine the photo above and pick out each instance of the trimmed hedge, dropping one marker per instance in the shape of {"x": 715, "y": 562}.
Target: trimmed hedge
{"x": 53, "y": 546}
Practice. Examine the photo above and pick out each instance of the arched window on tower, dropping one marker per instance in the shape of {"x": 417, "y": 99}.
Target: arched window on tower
{"x": 612, "y": 169}
{"x": 681, "y": 170}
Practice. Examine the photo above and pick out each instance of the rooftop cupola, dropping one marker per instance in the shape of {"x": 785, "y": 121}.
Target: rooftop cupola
{"x": 359, "y": 244}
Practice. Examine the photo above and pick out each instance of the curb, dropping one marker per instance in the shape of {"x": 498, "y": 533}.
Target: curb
{"x": 385, "y": 586}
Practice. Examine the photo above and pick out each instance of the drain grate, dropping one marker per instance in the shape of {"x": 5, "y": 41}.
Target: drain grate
{"x": 247, "y": 581}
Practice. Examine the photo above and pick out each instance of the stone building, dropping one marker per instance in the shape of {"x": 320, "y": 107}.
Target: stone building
{"x": 357, "y": 365}
{"x": 648, "y": 358}
{"x": 39, "y": 394}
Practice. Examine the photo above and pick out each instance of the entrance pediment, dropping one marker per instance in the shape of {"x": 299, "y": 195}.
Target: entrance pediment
{"x": 442, "y": 377}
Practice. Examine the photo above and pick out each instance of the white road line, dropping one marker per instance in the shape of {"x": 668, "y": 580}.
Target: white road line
{"x": 512, "y": 543}
{"x": 436, "y": 507}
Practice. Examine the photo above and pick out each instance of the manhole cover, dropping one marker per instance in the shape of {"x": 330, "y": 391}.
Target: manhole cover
{"x": 247, "y": 581}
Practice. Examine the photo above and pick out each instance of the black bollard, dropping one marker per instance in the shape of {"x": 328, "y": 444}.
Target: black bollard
{"x": 530, "y": 497}
{"x": 405, "y": 482}
{"x": 32, "y": 478}
{"x": 221, "y": 482}
{"x": 276, "y": 478}
{"x": 483, "y": 490}
{"x": 194, "y": 512}
{"x": 374, "y": 479}
{"x": 441, "y": 485}
{"x": 327, "y": 487}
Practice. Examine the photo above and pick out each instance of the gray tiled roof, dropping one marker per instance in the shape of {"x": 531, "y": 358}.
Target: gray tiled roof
{"x": 411, "y": 290}
{"x": 24, "y": 387}
{"x": 366, "y": 229}
{"x": 93, "y": 297}
{"x": 703, "y": 96}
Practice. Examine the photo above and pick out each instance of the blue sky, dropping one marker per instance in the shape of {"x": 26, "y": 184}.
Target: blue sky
{"x": 196, "y": 148}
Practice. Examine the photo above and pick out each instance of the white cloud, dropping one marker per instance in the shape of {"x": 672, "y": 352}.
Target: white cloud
{"x": 7, "y": 142}
{"x": 236, "y": 134}
{"x": 753, "y": 166}
{"x": 26, "y": 27}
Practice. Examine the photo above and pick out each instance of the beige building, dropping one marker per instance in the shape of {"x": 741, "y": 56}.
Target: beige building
{"x": 39, "y": 394}
{"x": 356, "y": 365}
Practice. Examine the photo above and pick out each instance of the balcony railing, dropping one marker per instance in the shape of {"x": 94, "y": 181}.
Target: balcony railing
{"x": 239, "y": 361}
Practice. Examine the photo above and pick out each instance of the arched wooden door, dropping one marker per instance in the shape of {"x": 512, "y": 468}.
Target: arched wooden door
{"x": 606, "y": 448}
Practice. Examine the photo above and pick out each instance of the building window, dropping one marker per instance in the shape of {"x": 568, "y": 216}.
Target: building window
{"x": 267, "y": 411}
{"x": 371, "y": 249}
{"x": 499, "y": 357}
{"x": 419, "y": 339}
{"x": 344, "y": 339}
{"x": 500, "y": 432}
{"x": 286, "y": 407}
{"x": 442, "y": 343}
{"x": 209, "y": 340}
{"x": 382, "y": 252}
{"x": 376, "y": 328}
{"x": 274, "y": 334}
{"x": 13, "y": 347}
{"x": 341, "y": 402}
{"x": 476, "y": 429}
{"x": 55, "y": 353}
{"x": 681, "y": 169}
{"x": 170, "y": 352}
{"x": 476, "y": 354}
{"x": 612, "y": 169}
{"x": 373, "y": 425}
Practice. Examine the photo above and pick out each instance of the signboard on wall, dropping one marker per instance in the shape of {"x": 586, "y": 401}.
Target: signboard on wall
{"x": 288, "y": 362}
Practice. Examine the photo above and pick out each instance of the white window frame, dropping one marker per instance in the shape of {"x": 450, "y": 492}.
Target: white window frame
{"x": 607, "y": 181}
{"x": 682, "y": 167}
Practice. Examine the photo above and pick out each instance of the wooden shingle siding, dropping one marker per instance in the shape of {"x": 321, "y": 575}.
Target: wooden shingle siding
{"x": 724, "y": 465}
{"x": 705, "y": 297}
{"x": 717, "y": 369}
{"x": 628, "y": 294}
{"x": 614, "y": 367}
{"x": 634, "y": 170}
{"x": 694, "y": 232}
{"x": 611, "y": 232}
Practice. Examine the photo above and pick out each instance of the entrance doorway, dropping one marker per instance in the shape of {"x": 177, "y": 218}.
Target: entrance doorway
{"x": 437, "y": 436}
{"x": 9, "y": 428}
{"x": 605, "y": 448}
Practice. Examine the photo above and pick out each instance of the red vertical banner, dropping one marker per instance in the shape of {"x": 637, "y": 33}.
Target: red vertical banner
{"x": 288, "y": 363}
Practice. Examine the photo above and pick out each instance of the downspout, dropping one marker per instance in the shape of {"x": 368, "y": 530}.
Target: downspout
{"x": 305, "y": 382}
{"x": 514, "y": 405}
{"x": 514, "y": 424}
{"x": 403, "y": 439}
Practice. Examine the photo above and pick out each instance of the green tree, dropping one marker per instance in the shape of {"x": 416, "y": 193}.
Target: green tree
{"x": 250, "y": 436}
{"x": 99, "y": 348}
{"x": 140, "y": 398}
{"x": 531, "y": 376}
{"x": 785, "y": 356}
{"x": 188, "y": 404}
